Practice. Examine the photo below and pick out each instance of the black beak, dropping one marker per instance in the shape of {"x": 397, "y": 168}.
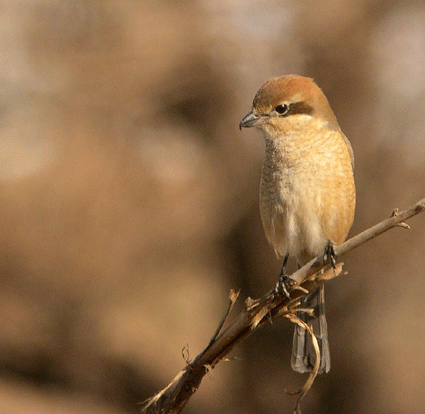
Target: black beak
{"x": 251, "y": 120}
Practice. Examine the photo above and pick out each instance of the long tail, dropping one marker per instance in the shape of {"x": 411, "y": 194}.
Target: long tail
{"x": 303, "y": 354}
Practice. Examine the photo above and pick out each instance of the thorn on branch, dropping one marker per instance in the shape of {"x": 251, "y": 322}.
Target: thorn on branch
{"x": 186, "y": 354}
{"x": 209, "y": 369}
{"x": 401, "y": 224}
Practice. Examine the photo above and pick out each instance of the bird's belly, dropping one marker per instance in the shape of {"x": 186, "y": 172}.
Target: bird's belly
{"x": 290, "y": 217}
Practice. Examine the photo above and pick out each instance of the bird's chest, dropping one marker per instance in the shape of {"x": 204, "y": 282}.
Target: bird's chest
{"x": 288, "y": 180}
{"x": 290, "y": 198}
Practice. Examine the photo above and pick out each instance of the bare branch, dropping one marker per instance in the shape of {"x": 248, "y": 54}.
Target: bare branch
{"x": 396, "y": 220}
{"x": 174, "y": 397}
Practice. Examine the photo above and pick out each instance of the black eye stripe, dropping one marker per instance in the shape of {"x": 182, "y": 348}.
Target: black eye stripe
{"x": 299, "y": 108}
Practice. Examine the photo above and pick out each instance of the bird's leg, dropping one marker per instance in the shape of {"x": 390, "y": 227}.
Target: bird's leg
{"x": 330, "y": 254}
{"x": 285, "y": 283}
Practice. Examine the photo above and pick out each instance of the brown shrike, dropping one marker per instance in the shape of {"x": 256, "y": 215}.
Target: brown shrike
{"x": 307, "y": 192}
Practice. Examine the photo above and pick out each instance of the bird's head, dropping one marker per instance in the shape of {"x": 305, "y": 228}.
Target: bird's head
{"x": 289, "y": 102}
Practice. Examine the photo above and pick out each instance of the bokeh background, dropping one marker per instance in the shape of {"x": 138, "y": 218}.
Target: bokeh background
{"x": 129, "y": 200}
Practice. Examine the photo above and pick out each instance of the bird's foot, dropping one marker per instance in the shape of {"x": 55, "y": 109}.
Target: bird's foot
{"x": 285, "y": 284}
{"x": 330, "y": 254}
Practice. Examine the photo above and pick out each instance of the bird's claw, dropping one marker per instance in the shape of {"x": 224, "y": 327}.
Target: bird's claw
{"x": 330, "y": 254}
{"x": 285, "y": 285}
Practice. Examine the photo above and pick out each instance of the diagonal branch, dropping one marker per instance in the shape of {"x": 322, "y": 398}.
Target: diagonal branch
{"x": 174, "y": 397}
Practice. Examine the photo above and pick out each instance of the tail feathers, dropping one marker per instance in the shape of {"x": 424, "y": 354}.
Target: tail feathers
{"x": 303, "y": 353}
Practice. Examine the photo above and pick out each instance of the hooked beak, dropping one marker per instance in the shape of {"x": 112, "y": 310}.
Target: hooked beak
{"x": 251, "y": 120}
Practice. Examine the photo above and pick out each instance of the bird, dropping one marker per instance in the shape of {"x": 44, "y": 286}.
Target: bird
{"x": 307, "y": 191}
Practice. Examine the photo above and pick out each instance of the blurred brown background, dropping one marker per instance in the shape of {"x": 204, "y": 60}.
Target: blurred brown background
{"x": 129, "y": 200}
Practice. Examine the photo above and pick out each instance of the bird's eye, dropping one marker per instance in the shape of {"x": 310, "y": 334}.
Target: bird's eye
{"x": 281, "y": 109}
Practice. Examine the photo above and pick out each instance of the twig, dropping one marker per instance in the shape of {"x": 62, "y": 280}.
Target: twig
{"x": 233, "y": 296}
{"x": 395, "y": 220}
{"x": 175, "y": 396}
